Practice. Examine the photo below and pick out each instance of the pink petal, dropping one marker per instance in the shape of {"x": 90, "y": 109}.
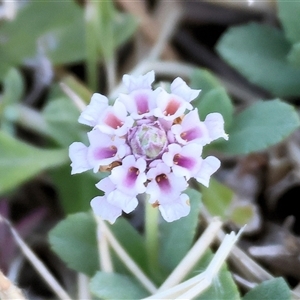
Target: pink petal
{"x": 163, "y": 184}
{"x": 170, "y": 106}
{"x": 191, "y": 129}
{"x": 130, "y": 177}
{"x": 157, "y": 168}
{"x": 185, "y": 161}
{"x": 140, "y": 103}
{"x": 114, "y": 120}
{"x": 104, "y": 150}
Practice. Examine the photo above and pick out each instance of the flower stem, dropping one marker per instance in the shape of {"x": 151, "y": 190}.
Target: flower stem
{"x": 151, "y": 232}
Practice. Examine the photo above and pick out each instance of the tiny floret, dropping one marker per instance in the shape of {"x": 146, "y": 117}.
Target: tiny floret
{"x": 151, "y": 141}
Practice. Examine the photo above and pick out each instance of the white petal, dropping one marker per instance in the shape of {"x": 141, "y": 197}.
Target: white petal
{"x": 106, "y": 185}
{"x": 175, "y": 210}
{"x": 78, "y": 155}
{"x": 125, "y": 202}
{"x": 141, "y": 82}
{"x": 180, "y": 88}
{"x": 215, "y": 125}
{"x": 209, "y": 166}
{"x": 104, "y": 209}
{"x": 90, "y": 116}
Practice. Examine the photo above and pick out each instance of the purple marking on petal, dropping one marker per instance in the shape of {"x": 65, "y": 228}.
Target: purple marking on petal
{"x": 183, "y": 161}
{"x": 131, "y": 176}
{"x": 163, "y": 182}
{"x": 142, "y": 103}
{"x": 106, "y": 152}
{"x": 191, "y": 134}
{"x": 172, "y": 107}
{"x": 112, "y": 121}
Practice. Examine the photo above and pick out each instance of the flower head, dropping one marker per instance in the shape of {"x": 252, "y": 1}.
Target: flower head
{"x": 147, "y": 140}
{"x": 151, "y": 141}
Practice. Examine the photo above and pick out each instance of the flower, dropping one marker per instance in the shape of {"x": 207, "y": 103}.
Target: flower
{"x": 130, "y": 177}
{"x": 151, "y": 141}
{"x": 103, "y": 151}
{"x": 184, "y": 160}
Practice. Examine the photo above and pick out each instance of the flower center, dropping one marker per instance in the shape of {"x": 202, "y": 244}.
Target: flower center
{"x": 148, "y": 140}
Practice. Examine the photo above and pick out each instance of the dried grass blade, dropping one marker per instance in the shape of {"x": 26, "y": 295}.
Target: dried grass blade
{"x": 126, "y": 259}
{"x": 37, "y": 263}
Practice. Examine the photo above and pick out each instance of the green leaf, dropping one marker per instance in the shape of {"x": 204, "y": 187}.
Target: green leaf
{"x": 176, "y": 238}
{"x": 74, "y": 240}
{"x": 106, "y": 29}
{"x": 20, "y": 162}
{"x": 261, "y": 125}
{"x": 242, "y": 214}
{"x": 116, "y": 286}
{"x": 219, "y": 201}
{"x": 222, "y": 287}
{"x": 217, "y": 198}
{"x": 75, "y": 191}
{"x": 294, "y": 55}
{"x": 289, "y": 12}
{"x": 6, "y": 64}
{"x": 13, "y": 87}
{"x": 61, "y": 117}
{"x": 106, "y": 38}
{"x": 92, "y": 25}
{"x": 216, "y": 100}
{"x": 59, "y": 41}
{"x": 49, "y": 18}
{"x": 274, "y": 289}
{"x": 113, "y": 28}
{"x": 124, "y": 27}
{"x": 259, "y": 53}
{"x": 204, "y": 80}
